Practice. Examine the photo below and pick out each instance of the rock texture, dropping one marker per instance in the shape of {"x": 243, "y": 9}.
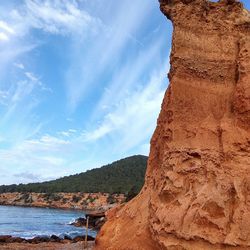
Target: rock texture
{"x": 197, "y": 190}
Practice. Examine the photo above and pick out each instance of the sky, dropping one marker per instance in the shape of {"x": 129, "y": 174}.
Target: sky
{"x": 81, "y": 84}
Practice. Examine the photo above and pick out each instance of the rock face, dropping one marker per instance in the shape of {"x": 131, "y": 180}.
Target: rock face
{"x": 197, "y": 190}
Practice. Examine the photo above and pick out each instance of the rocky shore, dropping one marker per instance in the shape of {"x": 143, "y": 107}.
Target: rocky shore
{"x": 96, "y": 220}
{"x": 48, "y": 246}
{"x": 80, "y": 201}
{"x": 52, "y": 242}
{"x": 36, "y": 240}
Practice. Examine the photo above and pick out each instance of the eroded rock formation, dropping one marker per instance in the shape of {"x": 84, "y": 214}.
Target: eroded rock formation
{"x": 197, "y": 190}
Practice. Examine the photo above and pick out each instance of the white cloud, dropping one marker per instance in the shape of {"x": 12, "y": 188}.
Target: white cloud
{"x": 47, "y": 157}
{"x": 19, "y": 65}
{"x": 3, "y": 37}
{"x": 65, "y": 133}
{"x": 31, "y": 76}
{"x": 41, "y": 156}
{"x": 47, "y": 139}
{"x": 5, "y": 31}
{"x": 46, "y": 144}
{"x": 101, "y": 131}
{"x": 4, "y": 26}
{"x": 70, "y": 119}
{"x": 9, "y": 54}
{"x": 68, "y": 133}
{"x": 54, "y": 161}
{"x": 60, "y": 17}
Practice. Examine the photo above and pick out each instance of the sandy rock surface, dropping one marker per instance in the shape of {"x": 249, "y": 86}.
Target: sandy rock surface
{"x": 197, "y": 190}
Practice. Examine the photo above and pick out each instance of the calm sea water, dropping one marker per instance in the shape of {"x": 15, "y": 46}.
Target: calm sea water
{"x": 30, "y": 222}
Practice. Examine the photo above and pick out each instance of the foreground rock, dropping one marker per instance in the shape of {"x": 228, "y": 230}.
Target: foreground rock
{"x": 96, "y": 220}
{"x": 197, "y": 190}
{"x": 4, "y": 239}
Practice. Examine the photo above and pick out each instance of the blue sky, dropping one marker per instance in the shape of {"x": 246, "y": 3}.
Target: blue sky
{"x": 81, "y": 84}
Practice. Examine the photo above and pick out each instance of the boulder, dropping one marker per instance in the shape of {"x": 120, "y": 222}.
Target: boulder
{"x": 38, "y": 239}
{"x": 5, "y": 238}
{"x": 82, "y": 238}
{"x": 54, "y": 238}
{"x": 67, "y": 237}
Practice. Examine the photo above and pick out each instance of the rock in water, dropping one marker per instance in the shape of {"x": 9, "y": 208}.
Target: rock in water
{"x": 197, "y": 190}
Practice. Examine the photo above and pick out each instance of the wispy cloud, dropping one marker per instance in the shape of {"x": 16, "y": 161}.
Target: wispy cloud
{"x": 134, "y": 118}
{"x": 132, "y": 75}
{"x": 104, "y": 51}
{"x": 19, "y": 101}
{"x": 68, "y": 133}
{"x": 4, "y": 26}
{"x": 5, "y": 31}
{"x": 31, "y": 76}
{"x": 58, "y": 17}
{"x": 19, "y": 65}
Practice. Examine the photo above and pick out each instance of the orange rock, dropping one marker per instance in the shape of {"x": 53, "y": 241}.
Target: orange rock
{"x": 197, "y": 190}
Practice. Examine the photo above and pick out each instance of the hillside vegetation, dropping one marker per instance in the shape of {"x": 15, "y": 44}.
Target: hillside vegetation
{"x": 123, "y": 176}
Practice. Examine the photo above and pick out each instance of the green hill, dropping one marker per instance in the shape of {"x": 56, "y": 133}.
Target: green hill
{"x": 118, "y": 177}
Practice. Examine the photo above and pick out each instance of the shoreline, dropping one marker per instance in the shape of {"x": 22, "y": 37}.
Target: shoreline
{"x": 55, "y": 208}
{"x": 92, "y": 205}
{"x": 9, "y": 239}
{"x": 96, "y": 221}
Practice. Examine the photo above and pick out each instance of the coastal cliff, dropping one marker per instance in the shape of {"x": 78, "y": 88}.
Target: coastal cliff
{"x": 80, "y": 201}
{"x": 196, "y": 193}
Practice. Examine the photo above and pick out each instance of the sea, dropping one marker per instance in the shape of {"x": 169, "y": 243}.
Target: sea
{"x": 27, "y": 222}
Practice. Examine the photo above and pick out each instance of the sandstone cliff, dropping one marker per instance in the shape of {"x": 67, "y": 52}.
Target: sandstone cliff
{"x": 197, "y": 190}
